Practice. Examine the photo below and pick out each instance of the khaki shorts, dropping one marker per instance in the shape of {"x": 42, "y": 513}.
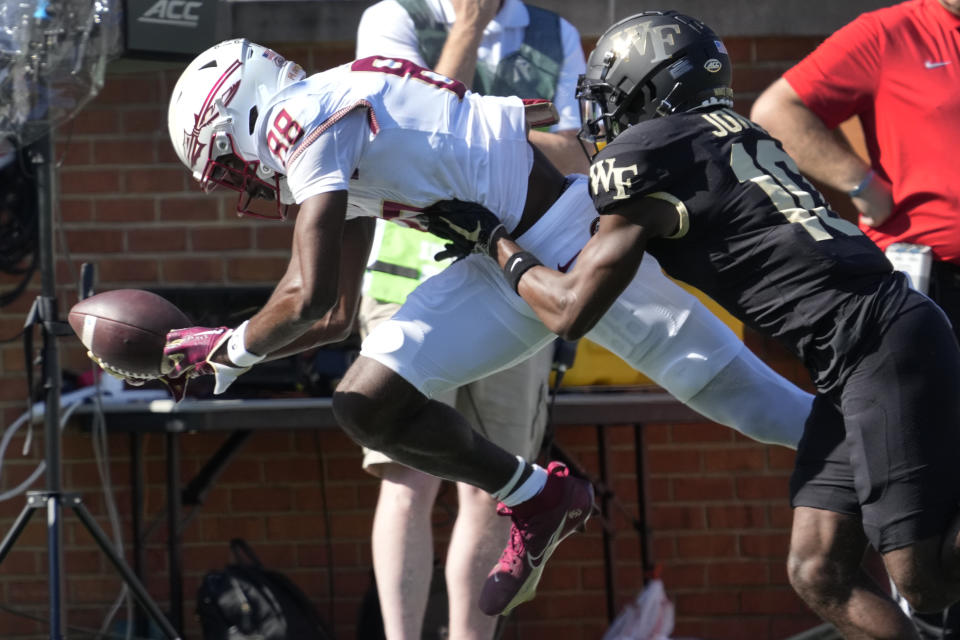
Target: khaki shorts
{"x": 508, "y": 407}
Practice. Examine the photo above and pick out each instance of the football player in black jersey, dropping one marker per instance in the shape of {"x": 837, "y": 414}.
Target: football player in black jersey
{"x": 716, "y": 200}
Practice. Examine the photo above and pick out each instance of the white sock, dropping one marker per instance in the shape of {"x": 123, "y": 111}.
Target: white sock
{"x": 505, "y": 490}
{"x": 530, "y": 487}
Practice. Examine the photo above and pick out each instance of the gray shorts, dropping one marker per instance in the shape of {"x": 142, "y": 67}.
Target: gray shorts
{"x": 508, "y": 407}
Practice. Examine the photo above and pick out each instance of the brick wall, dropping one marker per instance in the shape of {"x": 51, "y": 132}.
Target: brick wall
{"x": 717, "y": 502}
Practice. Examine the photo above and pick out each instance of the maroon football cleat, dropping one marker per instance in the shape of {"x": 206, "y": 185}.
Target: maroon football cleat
{"x": 539, "y": 524}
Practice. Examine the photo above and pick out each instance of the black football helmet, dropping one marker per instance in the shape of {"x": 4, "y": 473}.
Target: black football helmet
{"x": 651, "y": 64}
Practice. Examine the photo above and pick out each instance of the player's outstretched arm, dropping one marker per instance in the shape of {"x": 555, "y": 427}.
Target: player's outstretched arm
{"x": 338, "y": 322}
{"x": 570, "y": 304}
{"x": 309, "y": 291}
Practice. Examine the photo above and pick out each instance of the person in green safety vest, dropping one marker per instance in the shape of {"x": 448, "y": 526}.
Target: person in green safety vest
{"x": 506, "y": 48}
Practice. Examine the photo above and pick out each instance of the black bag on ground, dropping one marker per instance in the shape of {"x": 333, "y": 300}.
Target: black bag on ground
{"x": 246, "y": 601}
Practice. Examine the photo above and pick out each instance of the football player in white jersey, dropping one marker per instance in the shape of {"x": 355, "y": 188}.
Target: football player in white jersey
{"x": 381, "y": 137}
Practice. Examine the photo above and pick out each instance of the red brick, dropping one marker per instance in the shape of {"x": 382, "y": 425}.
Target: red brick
{"x": 661, "y": 461}
{"x": 125, "y": 271}
{"x": 760, "y": 487}
{"x": 165, "y": 153}
{"x": 737, "y": 573}
{"x": 785, "y": 48}
{"x": 263, "y": 499}
{"x": 756, "y": 79}
{"x": 708, "y": 603}
{"x": 656, "y": 434}
{"x": 192, "y": 209}
{"x": 82, "y": 562}
{"x": 278, "y": 236}
{"x": 144, "y": 121}
{"x": 771, "y": 545}
{"x": 243, "y": 471}
{"x": 154, "y": 180}
{"x": 781, "y": 516}
{"x": 738, "y": 516}
{"x": 76, "y": 210}
{"x": 738, "y": 628}
{"x": 156, "y": 239}
{"x": 192, "y": 270}
{"x": 18, "y": 625}
{"x": 676, "y": 517}
{"x": 718, "y": 488}
{"x": 13, "y": 390}
{"x": 781, "y": 458}
{"x": 96, "y": 121}
{"x": 130, "y": 150}
{"x": 221, "y": 238}
{"x": 73, "y": 152}
{"x": 256, "y": 269}
{"x": 740, "y": 50}
{"x": 706, "y": 546}
{"x": 224, "y": 527}
{"x": 752, "y": 459}
{"x": 783, "y": 626}
{"x": 128, "y": 89}
{"x": 307, "y": 527}
{"x": 678, "y": 576}
{"x": 700, "y": 432}
{"x": 95, "y": 241}
{"x": 772, "y": 600}
{"x": 124, "y": 210}
{"x": 77, "y": 181}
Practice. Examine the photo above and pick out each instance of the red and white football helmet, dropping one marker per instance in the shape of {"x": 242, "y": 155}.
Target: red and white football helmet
{"x": 213, "y": 114}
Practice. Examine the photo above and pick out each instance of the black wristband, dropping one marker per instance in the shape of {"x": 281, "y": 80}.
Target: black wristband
{"x": 517, "y": 265}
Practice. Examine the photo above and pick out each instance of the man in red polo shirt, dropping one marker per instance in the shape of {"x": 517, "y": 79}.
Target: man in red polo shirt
{"x": 898, "y": 70}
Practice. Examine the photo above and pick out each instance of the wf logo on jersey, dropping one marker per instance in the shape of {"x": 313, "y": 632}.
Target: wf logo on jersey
{"x": 605, "y": 176}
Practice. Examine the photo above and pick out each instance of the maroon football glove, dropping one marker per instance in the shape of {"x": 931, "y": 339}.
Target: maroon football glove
{"x": 188, "y": 349}
{"x": 188, "y": 352}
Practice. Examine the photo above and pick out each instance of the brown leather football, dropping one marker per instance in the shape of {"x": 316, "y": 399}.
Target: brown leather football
{"x": 127, "y": 329}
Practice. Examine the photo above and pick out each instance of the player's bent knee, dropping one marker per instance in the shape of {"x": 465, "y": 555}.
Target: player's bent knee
{"x": 372, "y": 404}
{"x": 817, "y": 579}
{"x": 353, "y": 412}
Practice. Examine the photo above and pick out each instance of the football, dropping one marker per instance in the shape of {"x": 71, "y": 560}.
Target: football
{"x": 127, "y": 329}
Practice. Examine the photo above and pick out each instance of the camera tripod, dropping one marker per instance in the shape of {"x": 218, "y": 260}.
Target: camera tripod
{"x": 44, "y": 315}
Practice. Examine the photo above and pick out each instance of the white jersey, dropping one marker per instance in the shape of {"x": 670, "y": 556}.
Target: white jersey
{"x": 398, "y": 138}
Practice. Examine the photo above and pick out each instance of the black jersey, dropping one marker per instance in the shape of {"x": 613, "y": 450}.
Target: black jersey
{"x": 755, "y": 235}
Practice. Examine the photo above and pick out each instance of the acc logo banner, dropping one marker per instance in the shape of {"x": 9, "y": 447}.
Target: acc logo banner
{"x": 175, "y": 13}
{"x": 604, "y": 174}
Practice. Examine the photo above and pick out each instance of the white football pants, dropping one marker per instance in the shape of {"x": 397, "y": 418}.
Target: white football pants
{"x": 466, "y": 323}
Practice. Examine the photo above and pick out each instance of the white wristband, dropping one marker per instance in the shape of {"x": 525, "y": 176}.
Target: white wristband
{"x": 237, "y": 349}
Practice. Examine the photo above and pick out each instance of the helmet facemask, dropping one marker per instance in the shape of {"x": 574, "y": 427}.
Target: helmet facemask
{"x": 215, "y": 105}
{"x": 250, "y": 179}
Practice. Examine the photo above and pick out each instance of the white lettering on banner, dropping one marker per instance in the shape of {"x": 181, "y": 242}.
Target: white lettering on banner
{"x": 175, "y": 13}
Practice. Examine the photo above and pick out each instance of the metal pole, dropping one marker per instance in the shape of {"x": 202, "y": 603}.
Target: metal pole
{"x": 41, "y": 157}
